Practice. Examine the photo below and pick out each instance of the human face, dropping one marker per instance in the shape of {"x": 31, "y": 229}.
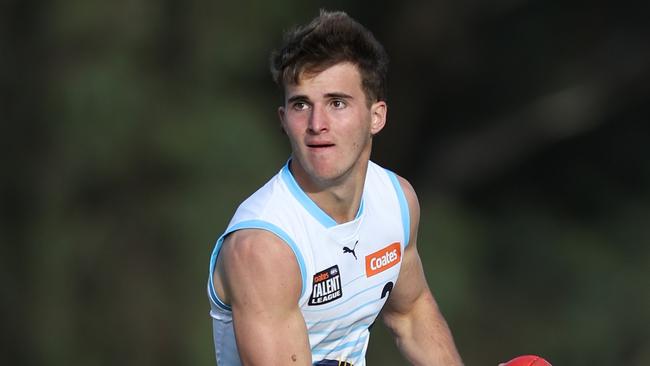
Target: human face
{"x": 330, "y": 125}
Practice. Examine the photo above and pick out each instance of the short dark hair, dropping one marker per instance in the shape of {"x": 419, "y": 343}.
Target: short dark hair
{"x": 329, "y": 39}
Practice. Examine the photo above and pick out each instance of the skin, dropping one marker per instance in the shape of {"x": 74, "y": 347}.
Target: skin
{"x": 269, "y": 327}
{"x": 330, "y": 125}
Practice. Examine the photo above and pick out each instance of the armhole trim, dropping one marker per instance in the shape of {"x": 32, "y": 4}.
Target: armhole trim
{"x": 403, "y": 206}
{"x": 253, "y": 224}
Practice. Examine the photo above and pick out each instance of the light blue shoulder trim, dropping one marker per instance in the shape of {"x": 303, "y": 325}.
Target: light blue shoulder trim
{"x": 213, "y": 262}
{"x": 403, "y": 206}
{"x": 307, "y": 202}
{"x": 254, "y": 224}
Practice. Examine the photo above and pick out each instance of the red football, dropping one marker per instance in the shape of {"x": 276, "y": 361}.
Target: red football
{"x": 528, "y": 360}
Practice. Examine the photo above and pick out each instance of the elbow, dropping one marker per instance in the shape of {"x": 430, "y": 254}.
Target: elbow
{"x": 399, "y": 324}
{"x": 401, "y": 321}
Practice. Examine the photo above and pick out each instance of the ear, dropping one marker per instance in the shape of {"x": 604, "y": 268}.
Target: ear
{"x": 378, "y": 113}
{"x": 282, "y": 115}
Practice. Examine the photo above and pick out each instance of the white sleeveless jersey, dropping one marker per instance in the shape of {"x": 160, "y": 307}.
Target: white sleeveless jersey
{"x": 347, "y": 269}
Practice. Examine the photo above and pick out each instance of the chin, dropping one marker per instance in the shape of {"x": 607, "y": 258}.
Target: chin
{"x": 325, "y": 173}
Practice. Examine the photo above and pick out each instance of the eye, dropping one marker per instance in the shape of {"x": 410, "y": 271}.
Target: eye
{"x": 338, "y": 104}
{"x": 300, "y": 106}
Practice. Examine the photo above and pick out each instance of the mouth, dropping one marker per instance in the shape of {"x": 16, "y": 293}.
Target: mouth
{"x": 319, "y": 145}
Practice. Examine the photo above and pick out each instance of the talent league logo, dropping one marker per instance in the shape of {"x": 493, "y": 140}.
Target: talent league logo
{"x": 327, "y": 286}
{"x": 383, "y": 259}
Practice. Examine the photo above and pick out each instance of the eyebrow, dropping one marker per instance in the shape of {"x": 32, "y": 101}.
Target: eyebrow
{"x": 301, "y": 97}
{"x": 338, "y": 96}
{"x": 296, "y": 98}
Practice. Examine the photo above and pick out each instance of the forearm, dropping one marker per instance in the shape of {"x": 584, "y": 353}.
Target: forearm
{"x": 264, "y": 341}
{"x": 422, "y": 334}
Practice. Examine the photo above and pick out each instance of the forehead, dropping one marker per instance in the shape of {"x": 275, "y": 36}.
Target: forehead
{"x": 341, "y": 77}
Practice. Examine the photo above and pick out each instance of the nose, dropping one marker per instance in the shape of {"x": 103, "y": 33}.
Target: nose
{"x": 318, "y": 120}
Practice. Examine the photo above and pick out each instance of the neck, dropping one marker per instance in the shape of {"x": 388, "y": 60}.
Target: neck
{"x": 340, "y": 198}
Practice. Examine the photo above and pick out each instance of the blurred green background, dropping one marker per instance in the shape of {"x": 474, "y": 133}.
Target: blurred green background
{"x": 131, "y": 130}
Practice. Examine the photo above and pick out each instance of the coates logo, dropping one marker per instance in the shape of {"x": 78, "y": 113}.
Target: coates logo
{"x": 383, "y": 259}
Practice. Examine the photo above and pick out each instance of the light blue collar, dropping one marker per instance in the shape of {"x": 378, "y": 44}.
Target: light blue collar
{"x": 307, "y": 202}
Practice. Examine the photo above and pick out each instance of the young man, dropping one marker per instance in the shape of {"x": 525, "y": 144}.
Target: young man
{"x": 311, "y": 259}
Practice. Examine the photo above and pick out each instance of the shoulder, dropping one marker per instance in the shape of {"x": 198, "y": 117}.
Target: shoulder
{"x": 252, "y": 244}
{"x": 409, "y": 194}
{"x": 257, "y": 260}
{"x": 413, "y": 209}
{"x": 403, "y": 184}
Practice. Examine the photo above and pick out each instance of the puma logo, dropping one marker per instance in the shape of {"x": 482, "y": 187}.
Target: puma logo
{"x": 348, "y": 250}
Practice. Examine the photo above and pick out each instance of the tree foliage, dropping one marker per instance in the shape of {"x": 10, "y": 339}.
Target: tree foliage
{"x": 131, "y": 131}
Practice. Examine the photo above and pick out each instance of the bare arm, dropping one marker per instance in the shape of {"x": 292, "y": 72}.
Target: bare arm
{"x": 412, "y": 314}
{"x": 258, "y": 275}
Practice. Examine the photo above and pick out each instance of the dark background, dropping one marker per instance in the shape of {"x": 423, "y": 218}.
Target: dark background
{"x": 131, "y": 130}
